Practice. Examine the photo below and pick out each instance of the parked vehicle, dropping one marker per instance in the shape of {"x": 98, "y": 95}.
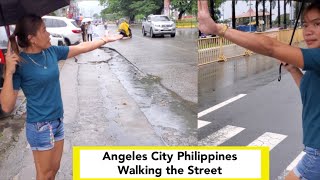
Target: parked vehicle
{"x": 65, "y": 27}
{"x": 57, "y": 40}
{"x": 3, "y": 50}
{"x": 158, "y": 25}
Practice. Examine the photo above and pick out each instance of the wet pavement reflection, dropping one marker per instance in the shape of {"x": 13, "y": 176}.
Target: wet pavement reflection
{"x": 168, "y": 113}
{"x": 220, "y": 80}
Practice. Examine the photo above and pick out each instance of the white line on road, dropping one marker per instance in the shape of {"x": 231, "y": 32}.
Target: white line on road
{"x": 295, "y": 161}
{"x": 221, "y": 136}
{"x": 202, "y": 123}
{"x": 207, "y": 111}
{"x": 268, "y": 139}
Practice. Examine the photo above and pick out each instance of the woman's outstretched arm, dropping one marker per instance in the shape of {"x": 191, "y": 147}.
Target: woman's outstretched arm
{"x": 92, "y": 45}
{"x": 260, "y": 44}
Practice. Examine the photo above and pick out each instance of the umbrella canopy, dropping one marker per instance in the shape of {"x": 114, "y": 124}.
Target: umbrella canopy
{"x": 12, "y": 10}
{"x": 87, "y": 20}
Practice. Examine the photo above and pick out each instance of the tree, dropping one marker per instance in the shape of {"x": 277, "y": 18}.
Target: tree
{"x": 264, "y": 14}
{"x": 184, "y": 6}
{"x": 131, "y": 8}
{"x": 234, "y": 14}
{"x": 272, "y": 6}
{"x": 214, "y": 9}
{"x": 285, "y": 12}
{"x": 257, "y": 12}
{"x": 279, "y": 22}
{"x": 285, "y": 3}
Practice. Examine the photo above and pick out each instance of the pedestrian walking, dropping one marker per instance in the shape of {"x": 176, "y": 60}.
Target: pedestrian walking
{"x": 105, "y": 25}
{"x": 83, "y": 31}
{"x": 307, "y": 59}
{"x": 90, "y": 31}
{"x": 35, "y": 70}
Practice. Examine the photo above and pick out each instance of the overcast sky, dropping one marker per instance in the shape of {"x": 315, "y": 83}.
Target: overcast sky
{"x": 243, "y": 6}
{"x": 88, "y": 8}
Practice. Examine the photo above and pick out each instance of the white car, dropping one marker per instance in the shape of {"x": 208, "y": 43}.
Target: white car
{"x": 57, "y": 40}
{"x": 65, "y": 27}
{"x": 158, "y": 25}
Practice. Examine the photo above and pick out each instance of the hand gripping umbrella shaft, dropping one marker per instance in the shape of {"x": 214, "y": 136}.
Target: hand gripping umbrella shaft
{"x": 294, "y": 30}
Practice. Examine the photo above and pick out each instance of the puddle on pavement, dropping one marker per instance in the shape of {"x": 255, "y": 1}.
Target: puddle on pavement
{"x": 173, "y": 118}
{"x": 222, "y": 80}
{"x": 221, "y": 75}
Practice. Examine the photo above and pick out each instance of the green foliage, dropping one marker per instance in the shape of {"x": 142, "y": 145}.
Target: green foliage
{"x": 144, "y": 7}
{"x": 282, "y": 19}
{"x": 131, "y": 8}
{"x": 139, "y": 17}
{"x": 217, "y": 4}
{"x": 185, "y": 6}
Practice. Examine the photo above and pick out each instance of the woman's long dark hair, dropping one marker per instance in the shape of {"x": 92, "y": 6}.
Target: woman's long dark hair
{"x": 315, "y": 5}
{"x": 27, "y": 25}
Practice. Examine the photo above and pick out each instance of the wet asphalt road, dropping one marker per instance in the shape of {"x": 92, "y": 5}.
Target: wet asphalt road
{"x": 269, "y": 106}
{"x": 174, "y": 60}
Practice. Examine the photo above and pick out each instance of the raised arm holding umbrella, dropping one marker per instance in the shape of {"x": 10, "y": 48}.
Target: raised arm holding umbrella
{"x": 32, "y": 65}
{"x": 296, "y": 58}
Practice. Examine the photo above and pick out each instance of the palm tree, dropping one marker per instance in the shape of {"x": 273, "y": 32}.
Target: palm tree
{"x": 234, "y": 14}
{"x": 279, "y": 22}
{"x": 264, "y": 14}
{"x": 272, "y": 5}
{"x": 285, "y": 14}
{"x": 257, "y": 12}
{"x": 285, "y": 11}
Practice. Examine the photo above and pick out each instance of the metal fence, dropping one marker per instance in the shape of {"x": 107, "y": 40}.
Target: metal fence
{"x": 215, "y": 49}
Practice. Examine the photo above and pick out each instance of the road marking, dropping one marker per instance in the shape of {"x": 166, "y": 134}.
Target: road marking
{"x": 221, "y": 136}
{"x": 295, "y": 161}
{"x": 268, "y": 139}
{"x": 202, "y": 123}
{"x": 207, "y": 111}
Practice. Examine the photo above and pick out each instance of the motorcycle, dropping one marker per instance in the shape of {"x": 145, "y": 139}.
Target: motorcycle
{"x": 124, "y": 29}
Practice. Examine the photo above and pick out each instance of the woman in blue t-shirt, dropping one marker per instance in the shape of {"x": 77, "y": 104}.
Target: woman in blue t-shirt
{"x": 35, "y": 70}
{"x": 309, "y": 83}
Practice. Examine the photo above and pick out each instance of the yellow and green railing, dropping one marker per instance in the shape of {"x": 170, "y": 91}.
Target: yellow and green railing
{"x": 215, "y": 49}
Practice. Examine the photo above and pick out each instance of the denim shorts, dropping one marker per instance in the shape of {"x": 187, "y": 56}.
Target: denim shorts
{"x": 42, "y": 135}
{"x": 308, "y": 167}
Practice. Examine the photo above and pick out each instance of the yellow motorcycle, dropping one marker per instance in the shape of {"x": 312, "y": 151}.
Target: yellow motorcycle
{"x": 124, "y": 29}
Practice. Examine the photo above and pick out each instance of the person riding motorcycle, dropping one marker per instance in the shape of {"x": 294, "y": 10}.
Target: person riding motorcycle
{"x": 124, "y": 29}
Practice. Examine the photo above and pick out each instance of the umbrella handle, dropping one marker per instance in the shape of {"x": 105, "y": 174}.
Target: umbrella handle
{"x": 279, "y": 77}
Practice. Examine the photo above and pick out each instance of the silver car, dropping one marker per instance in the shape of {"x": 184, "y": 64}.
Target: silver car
{"x": 158, "y": 25}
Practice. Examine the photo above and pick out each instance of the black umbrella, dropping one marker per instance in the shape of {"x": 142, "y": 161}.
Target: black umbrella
{"x": 294, "y": 30}
{"x": 12, "y": 10}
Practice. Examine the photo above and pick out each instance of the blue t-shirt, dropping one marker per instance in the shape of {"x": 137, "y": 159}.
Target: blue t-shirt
{"x": 310, "y": 96}
{"x": 41, "y": 85}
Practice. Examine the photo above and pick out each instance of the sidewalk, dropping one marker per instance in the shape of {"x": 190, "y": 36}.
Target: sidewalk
{"x": 98, "y": 111}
